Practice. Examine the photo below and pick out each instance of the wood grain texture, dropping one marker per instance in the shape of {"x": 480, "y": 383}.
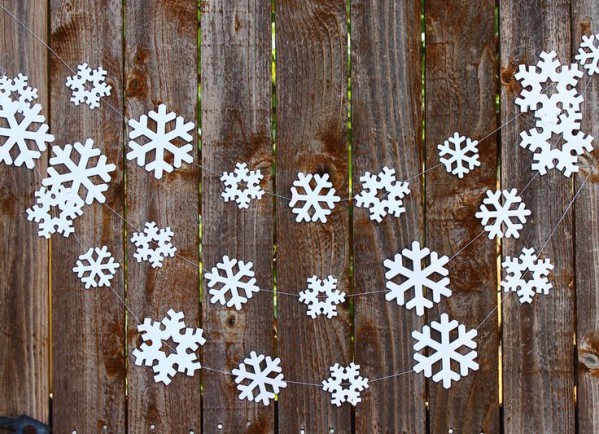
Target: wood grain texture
{"x": 312, "y": 114}
{"x": 161, "y": 61}
{"x": 387, "y": 131}
{"x": 461, "y": 85}
{"x": 24, "y": 308}
{"x": 538, "y": 369}
{"x": 236, "y": 99}
{"x": 88, "y": 325}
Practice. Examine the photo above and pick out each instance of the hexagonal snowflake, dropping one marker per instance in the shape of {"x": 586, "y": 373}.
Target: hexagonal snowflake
{"x": 262, "y": 373}
{"x": 345, "y": 384}
{"x": 322, "y": 297}
{"x": 310, "y": 189}
{"x": 88, "y": 86}
{"x": 527, "y": 275}
{"x": 383, "y": 194}
{"x": 501, "y": 219}
{"x": 55, "y": 210}
{"x": 588, "y": 54}
{"x": 459, "y": 158}
{"x": 153, "y": 244}
{"x": 96, "y": 267}
{"x": 242, "y": 185}
{"x": 238, "y": 277}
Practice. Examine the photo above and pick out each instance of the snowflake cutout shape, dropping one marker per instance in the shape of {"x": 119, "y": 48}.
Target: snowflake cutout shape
{"x": 262, "y": 373}
{"x": 459, "y": 158}
{"x": 63, "y": 203}
{"x": 322, "y": 297}
{"x": 345, "y": 384}
{"x": 168, "y": 344}
{"x": 17, "y": 89}
{"x": 88, "y": 86}
{"x": 418, "y": 270}
{"x": 238, "y": 277}
{"x": 313, "y": 197}
{"x": 161, "y": 141}
{"x": 96, "y": 267}
{"x": 447, "y": 348}
{"x": 153, "y": 244}
{"x": 500, "y": 219}
{"x": 527, "y": 275}
{"x": 382, "y": 193}
{"x": 588, "y": 54}
{"x": 242, "y": 185}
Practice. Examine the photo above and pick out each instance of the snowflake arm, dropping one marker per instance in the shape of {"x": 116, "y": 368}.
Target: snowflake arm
{"x": 227, "y": 289}
{"x": 459, "y": 158}
{"x": 322, "y": 297}
{"x": 95, "y": 79}
{"x": 153, "y": 244}
{"x": 496, "y": 216}
{"x": 588, "y": 54}
{"x": 242, "y": 185}
{"x": 261, "y": 374}
{"x": 391, "y": 191}
{"x": 345, "y": 384}
{"x": 317, "y": 205}
{"x": 96, "y": 267}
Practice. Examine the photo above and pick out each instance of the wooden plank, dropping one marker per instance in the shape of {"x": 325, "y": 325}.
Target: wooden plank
{"x": 386, "y": 127}
{"x": 538, "y": 369}
{"x": 161, "y": 62}
{"x": 24, "y": 309}
{"x": 460, "y": 83}
{"x": 88, "y": 325}
{"x": 311, "y": 45}
{"x": 236, "y": 98}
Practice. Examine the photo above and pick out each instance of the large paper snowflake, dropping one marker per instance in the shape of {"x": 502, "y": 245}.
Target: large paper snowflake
{"x": 238, "y": 277}
{"x": 242, "y": 185}
{"x": 459, "y": 155}
{"x": 345, "y": 384}
{"x": 262, "y": 373}
{"x": 588, "y": 54}
{"x": 322, "y": 297}
{"x": 502, "y": 219}
{"x": 153, "y": 244}
{"x": 527, "y": 275}
{"x": 18, "y": 89}
{"x": 316, "y": 193}
{"x": 382, "y": 193}
{"x": 447, "y": 347}
{"x": 88, "y": 86}
{"x": 160, "y": 142}
{"x": 169, "y": 347}
{"x": 96, "y": 267}
{"x": 55, "y": 210}
{"x": 419, "y": 272}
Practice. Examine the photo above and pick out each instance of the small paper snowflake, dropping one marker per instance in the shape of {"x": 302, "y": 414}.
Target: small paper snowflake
{"x": 317, "y": 204}
{"x": 96, "y": 267}
{"x": 242, "y": 185}
{"x": 461, "y": 157}
{"x": 55, "y": 210}
{"x": 167, "y": 344}
{"x": 527, "y": 275}
{"x": 18, "y": 89}
{"x": 322, "y": 297}
{"x": 446, "y": 349}
{"x": 238, "y": 276}
{"x": 153, "y": 244}
{"x": 501, "y": 219}
{"x": 88, "y": 86}
{"x": 588, "y": 54}
{"x": 383, "y": 194}
{"x": 259, "y": 372}
{"x": 345, "y": 384}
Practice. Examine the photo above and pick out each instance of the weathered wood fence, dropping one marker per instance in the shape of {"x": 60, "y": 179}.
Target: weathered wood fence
{"x": 350, "y": 87}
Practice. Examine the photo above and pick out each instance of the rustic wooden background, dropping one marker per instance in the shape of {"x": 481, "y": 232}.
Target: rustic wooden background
{"x": 338, "y": 87}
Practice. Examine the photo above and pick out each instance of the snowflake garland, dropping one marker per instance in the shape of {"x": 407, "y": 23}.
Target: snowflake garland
{"x": 383, "y": 194}
{"x": 96, "y": 267}
{"x": 54, "y": 210}
{"x": 588, "y": 54}
{"x": 502, "y": 219}
{"x": 238, "y": 277}
{"x": 322, "y": 297}
{"x": 88, "y": 86}
{"x": 310, "y": 190}
{"x": 242, "y": 185}
{"x": 527, "y": 275}
{"x": 345, "y": 384}
{"x": 17, "y": 89}
{"x": 262, "y": 373}
{"x": 153, "y": 244}
{"x": 459, "y": 155}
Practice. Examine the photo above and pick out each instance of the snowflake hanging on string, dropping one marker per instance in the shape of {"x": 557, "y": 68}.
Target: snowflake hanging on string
{"x": 242, "y": 185}
{"x": 18, "y": 90}
{"x": 238, "y": 277}
{"x": 96, "y": 267}
{"x": 153, "y": 244}
{"x": 160, "y": 142}
{"x": 383, "y": 194}
{"x": 169, "y": 347}
{"x": 588, "y": 54}
{"x": 459, "y": 155}
{"x": 447, "y": 348}
{"x": 501, "y": 219}
{"x": 88, "y": 86}
{"x": 345, "y": 384}
{"x": 54, "y": 210}
{"x": 262, "y": 373}
{"x": 527, "y": 275}
{"x": 310, "y": 189}
{"x": 322, "y": 297}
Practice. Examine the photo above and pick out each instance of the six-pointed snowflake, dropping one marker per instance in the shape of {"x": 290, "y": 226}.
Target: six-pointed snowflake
{"x": 153, "y": 244}
{"x": 96, "y": 267}
{"x": 418, "y": 270}
{"x": 88, "y": 86}
{"x": 345, "y": 384}
{"x": 55, "y": 210}
{"x": 501, "y": 219}
{"x": 259, "y": 372}
{"x": 445, "y": 348}
{"x": 318, "y": 197}
{"x": 383, "y": 194}
{"x": 169, "y": 346}
{"x": 527, "y": 275}
{"x": 459, "y": 155}
{"x": 588, "y": 54}
{"x": 161, "y": 141}
{"x": 238, "y": 277}
{"x": 242, "y": 185}
{"x": 18, "y": 89}
{"x": 322, "y": 297}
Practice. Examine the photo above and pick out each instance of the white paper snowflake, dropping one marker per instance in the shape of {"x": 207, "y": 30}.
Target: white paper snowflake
{"x": 55, "y": 210}
{"x": 527, "y": 275}
{"x": 80, "y": 169}
{"x": 96, "y": 267}
{"x": 345, "y": 384}
{"x": 588, "y": 54}
{"x": 447, "y": 346}
{"x": 462, "y": 155}
{"x": 153, "y": 244}
{"x": 238, "y": 277}
{"x": 161, "y": 141}
{"x": 419, "y": 271}
{"x": 318, "y": 197}
{"x": 501, "y": 219}
{"x": 262, "y": 373}
{"x": 18, "y": 89}
{"x": 242, "y": 185}
{"x": 322, "y": 297}
{"x": 88, "y": 86}
{"x": 383, "y": 194}
{"x": 168, "y": 344}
